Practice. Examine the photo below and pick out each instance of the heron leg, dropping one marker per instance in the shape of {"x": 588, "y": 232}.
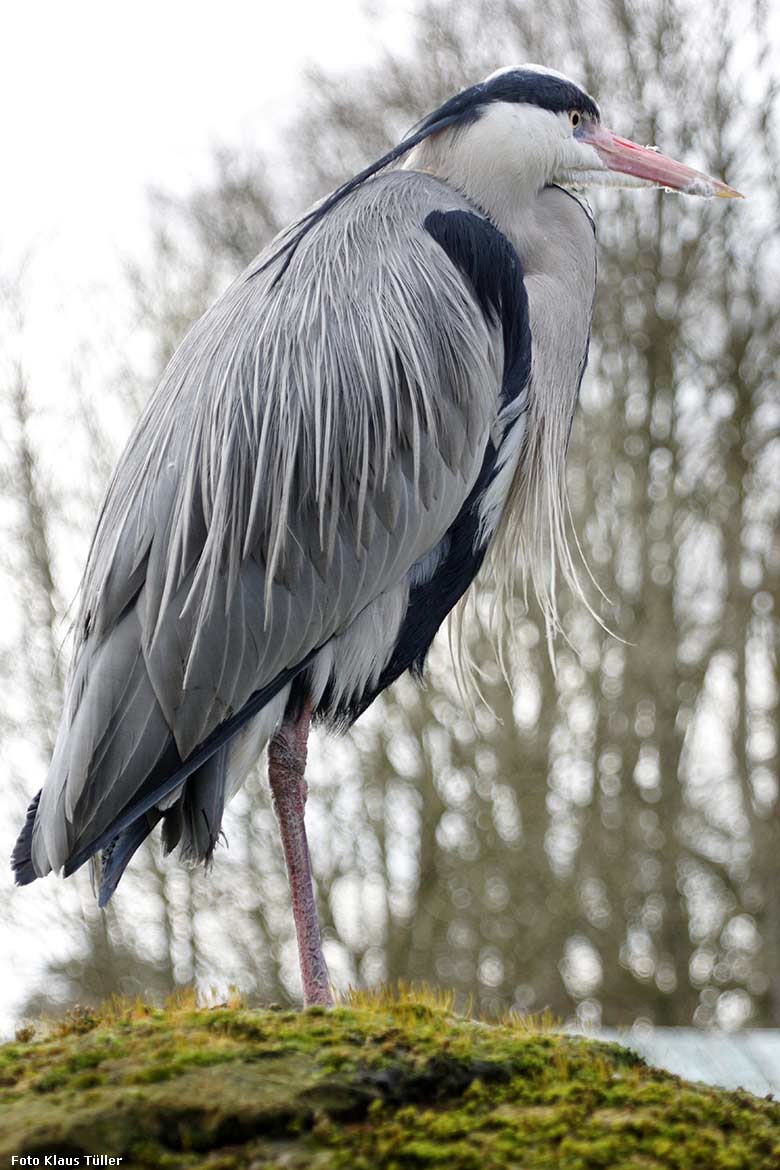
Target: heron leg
{"x": 286, "y": 768}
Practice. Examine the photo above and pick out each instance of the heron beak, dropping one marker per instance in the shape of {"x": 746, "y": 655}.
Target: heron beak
{"x": 647, "y": 163}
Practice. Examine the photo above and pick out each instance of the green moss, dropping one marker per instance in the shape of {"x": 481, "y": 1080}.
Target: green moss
{"x": 376, "y": 1083}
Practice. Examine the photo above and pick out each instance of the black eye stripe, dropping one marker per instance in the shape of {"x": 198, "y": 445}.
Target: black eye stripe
{"x": 518, "y": 85}
{"x": 540, "y": 89}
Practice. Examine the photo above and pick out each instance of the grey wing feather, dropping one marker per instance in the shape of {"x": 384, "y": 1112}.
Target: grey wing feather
{"x": 311, "y": 440}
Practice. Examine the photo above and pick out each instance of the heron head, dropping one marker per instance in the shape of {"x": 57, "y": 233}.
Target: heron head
{"x": 502, "y": 141}
{"x": 531, "y": 127}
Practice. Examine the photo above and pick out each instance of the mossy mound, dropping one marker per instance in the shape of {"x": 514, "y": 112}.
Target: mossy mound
{"x": 377, "y": 1083}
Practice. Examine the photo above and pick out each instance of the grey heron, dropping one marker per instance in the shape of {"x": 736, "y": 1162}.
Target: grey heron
{"x": 380, "y": 402}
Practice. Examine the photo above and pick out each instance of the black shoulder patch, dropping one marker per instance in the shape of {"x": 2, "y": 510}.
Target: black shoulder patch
{"x": 485, "y": 257}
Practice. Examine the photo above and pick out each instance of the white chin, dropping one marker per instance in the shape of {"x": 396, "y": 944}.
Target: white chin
{"x": 580, "y": 179}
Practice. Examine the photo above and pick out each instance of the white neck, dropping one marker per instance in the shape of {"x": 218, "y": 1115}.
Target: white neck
{"x": 501, "y": 161}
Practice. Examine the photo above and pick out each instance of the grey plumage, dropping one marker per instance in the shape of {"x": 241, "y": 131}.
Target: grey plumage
{"x": 378, "y": 406}
{"x": 277, "y": 492}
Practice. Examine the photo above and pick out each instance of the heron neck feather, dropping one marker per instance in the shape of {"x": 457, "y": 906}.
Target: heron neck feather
{"x": 554, "y": 237}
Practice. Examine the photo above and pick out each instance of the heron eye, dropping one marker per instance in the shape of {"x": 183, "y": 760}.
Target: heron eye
{"x": 575, "y": 117}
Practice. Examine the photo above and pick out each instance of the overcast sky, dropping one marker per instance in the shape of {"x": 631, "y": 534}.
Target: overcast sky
{"x": 101, "y": 101}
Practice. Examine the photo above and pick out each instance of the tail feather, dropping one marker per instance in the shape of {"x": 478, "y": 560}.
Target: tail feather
{"x": 195, "y": 818}
{"x": 204, "y": 804}
{"x": 21, "y": 858}
{"x": 116, "y": 856}
{"x": 172, "y": 826}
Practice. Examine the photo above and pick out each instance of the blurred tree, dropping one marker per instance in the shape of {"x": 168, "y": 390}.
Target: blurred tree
{"x": 605, "y": 843}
